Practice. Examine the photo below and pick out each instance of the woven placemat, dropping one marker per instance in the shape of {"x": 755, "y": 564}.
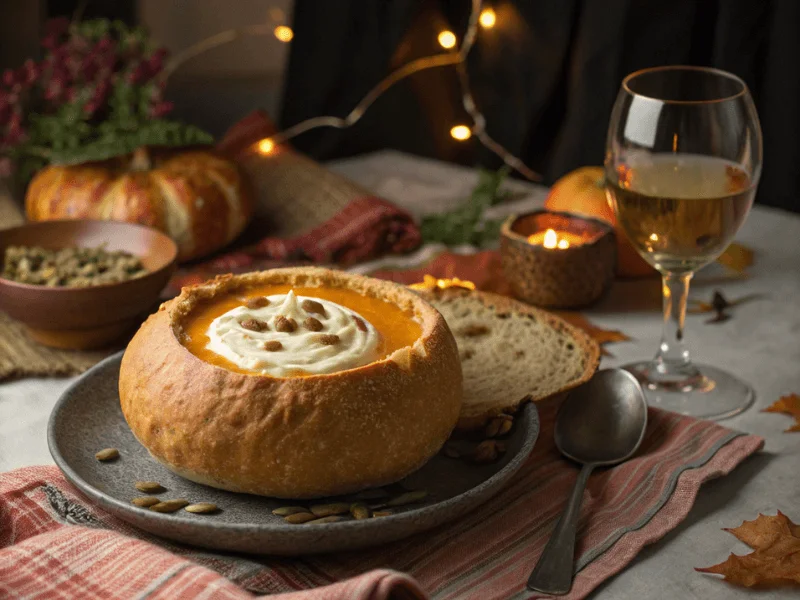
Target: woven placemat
{"x": 20, "y": 356}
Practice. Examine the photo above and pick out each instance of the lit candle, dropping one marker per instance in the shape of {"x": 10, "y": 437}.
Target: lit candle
{"x": 551, "y": 238}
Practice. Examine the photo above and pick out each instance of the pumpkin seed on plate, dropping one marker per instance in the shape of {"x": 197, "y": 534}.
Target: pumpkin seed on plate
{"x": 169, "y": 506}
{"x": 145, "y": 501}
{"x": 326, "y": 510}
{"x": 150, "y": 487}
{"x": 359, "y": 511}
{"x": 107, "y": 454}
{"x": 285, "y": 511}
{"x": 297, "y": 518}
{"x": 328, "y": 519}
{"x": 201, "y": 508}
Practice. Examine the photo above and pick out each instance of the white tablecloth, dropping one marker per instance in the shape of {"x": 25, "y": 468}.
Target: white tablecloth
{"x": 761, "y": 344}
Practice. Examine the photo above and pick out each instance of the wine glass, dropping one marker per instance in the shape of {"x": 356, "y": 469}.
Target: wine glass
{"x": 683, "y": 158}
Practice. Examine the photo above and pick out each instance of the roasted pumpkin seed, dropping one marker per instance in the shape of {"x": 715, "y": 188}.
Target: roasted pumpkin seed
{"x": 325, "y": 510}
{"x": 145, "y": 501}
{"x": 285, "y": 511}
{"x": 312, "y": 306}
{"x": 328, "y": 519}
{"x": 257, "y": 302}
{"x": 359, "y": 511}
{"x": 169, "y": 506}
{"x": 201, "y": 508}
{"x": 108, "y": 454}
{"x": 493, "y": 428}
{"x": 150, "y": 487}
{"x": 301, "y": 517}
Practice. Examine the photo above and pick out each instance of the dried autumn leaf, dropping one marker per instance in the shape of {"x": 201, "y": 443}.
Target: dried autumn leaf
{"x": 790, "y": 405}
{"x": 598, "y": 334}
{"x": 737, "y": 257}
{"x": 775, "y": 558}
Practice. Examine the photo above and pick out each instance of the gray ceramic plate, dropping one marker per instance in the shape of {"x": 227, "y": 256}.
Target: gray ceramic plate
{"x": 88, "y": 418}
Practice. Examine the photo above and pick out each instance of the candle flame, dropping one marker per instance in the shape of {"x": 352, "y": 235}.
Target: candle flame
{"x": 429, "y": 282}
{"x": 563, "y": 244}
{"x": 550, "y": 238}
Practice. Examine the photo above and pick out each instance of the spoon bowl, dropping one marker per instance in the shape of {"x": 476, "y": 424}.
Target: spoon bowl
{"x": 603, "y": 421}
{"x": 600, "y": 423}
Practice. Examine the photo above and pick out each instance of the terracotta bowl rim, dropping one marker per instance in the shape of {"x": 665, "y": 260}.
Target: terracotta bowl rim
{"x": 507, "y": 231}
{"x": 168, "y": 264}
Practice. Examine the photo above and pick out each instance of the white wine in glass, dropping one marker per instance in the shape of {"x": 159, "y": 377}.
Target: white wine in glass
{"x": 682, "y": 164}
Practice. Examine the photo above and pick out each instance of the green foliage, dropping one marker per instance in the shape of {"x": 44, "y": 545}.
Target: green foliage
{"x": 465, "y": 224}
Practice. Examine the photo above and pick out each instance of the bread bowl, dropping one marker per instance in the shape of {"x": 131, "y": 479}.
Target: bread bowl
{"x": 284, "y": 427}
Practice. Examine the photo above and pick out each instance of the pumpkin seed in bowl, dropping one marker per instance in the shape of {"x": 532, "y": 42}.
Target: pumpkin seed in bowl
{"x": 70, "y": 267}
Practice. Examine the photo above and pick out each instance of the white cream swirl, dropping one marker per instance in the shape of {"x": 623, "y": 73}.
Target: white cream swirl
{"x": 303, "y": 349}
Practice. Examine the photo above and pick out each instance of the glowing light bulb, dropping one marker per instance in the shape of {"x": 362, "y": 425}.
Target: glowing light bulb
{"x": 461, "y": 133}
{"x": 284, "y": 33}
{"x": 488, "y": 18}
{"x": 550, "y": 239}
{"x": 266, "y": 146}
{"x": 447, "y": 39}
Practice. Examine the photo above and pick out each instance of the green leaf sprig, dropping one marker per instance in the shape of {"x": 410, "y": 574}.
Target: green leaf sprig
{"x": 465, "y": 224}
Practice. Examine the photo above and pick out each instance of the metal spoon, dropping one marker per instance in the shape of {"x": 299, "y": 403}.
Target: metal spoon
{"x": 600, "y": 423}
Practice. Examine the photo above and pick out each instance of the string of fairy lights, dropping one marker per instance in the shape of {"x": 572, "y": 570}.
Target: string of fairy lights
{"x": 481, "y": 17}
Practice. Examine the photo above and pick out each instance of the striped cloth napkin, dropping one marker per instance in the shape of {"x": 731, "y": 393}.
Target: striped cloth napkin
{"x": 54, "y": 544}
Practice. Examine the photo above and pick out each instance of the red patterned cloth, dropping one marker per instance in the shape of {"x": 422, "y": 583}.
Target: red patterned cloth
{"x": 54, "y": 544}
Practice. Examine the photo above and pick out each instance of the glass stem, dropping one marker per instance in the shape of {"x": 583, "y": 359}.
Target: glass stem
{"x": 672, "y": 359}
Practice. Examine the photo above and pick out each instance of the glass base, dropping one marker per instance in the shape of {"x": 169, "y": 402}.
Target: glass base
{"x": 713, "y": 395}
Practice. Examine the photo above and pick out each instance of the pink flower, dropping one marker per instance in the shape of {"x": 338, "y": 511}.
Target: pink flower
{"x": 49, "y": 42}
{"x": 9, "y": 77}
{"x": 29, "y": 72}
{"x": 104, "y": 44}
{"x": 161, "y": 109}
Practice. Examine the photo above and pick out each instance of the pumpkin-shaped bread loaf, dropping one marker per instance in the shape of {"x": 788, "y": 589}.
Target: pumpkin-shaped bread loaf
{"x": 198, "y": 198}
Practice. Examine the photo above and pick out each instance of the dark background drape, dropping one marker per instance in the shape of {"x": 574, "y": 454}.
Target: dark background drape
{"x": 545, "y": 76}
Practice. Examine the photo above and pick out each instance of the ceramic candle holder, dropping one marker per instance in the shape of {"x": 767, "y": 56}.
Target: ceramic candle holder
{"x": 573, "y": 273}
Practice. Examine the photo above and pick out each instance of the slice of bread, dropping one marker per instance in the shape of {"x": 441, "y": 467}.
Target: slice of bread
{"x": 511, "y": 352}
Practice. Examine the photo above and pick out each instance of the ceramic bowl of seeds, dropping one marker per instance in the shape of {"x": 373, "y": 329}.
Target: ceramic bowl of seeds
{"x": 82, "y": 284}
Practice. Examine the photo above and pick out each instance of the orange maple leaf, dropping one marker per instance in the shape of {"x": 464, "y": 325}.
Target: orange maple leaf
{"x": 737, "y": 257}
{"x": 776, "y": 553}
{"x": 790, "y": 405}
{"x": 598, "y": 334}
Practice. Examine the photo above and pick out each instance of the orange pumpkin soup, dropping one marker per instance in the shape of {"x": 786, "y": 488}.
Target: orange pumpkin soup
{"x": 397, "y": 328}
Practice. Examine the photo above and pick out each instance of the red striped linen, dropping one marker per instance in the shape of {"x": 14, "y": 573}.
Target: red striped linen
{"x": 55, "y": 544}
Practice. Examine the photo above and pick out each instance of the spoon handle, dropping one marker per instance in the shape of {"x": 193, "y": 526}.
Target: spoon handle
{"x": 553, "y": 572}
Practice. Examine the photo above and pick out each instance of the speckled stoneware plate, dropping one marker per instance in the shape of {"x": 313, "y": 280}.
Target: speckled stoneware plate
{"x": 88, "y": 418}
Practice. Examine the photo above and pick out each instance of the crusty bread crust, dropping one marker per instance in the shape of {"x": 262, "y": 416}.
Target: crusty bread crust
{"x": 511, "y": 352}
{"x": 291, "y": 437}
